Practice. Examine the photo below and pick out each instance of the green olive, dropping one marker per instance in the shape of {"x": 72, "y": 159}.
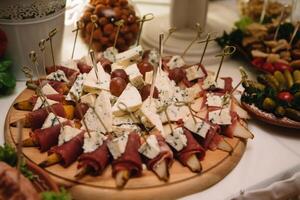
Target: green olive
{"x": 280, "y": 78}
{"x": 272, "y": 81}
{"x": 289, "y": 78}
{"x": 269, "y": 104}
{"x": 279, "y": 111}
{"x": 296, "y": 76}
{"x": 293, "y": 114}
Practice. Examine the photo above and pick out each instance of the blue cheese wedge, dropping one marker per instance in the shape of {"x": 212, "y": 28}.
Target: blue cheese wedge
{"x": 67, "y": 133}
{"x": 165, "y": 88}
{"x": 71, "y": 64}
{"x": 150, "y": 148}
{"x": 200, "y": 128}
{"x": 48, "y": 89}
{"x": 175, "y": 62}
{"x": 129, "y": 97}
{"x": 89, "y": 99}
{"x": 210, "y": 83}
{"x": 93, "y": 141}
{"x": 177, "y": 139}
{"x": 221, "y": 117}
{"x": 149, "y": 117}
{"x": 217, "y": 101}
{"x": 76, "y": 89}
{"x": 41, "y": 103}
{"x": 52, "y": 120}
{"x": 117, "y": 146}
{"x": 92, "y": 84}
{"x": 193, "y": 73}
{"x": 130, "y": 56}
{"x": 135, "y": 77}
{"x": 58, "y": 75}
{"x": 175, "y": 113}
{"x": 110, "y": 54}
{"x": 154, "y": 58}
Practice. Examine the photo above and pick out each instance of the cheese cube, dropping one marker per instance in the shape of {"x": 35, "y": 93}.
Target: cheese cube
{"x": 150, "y": 148}
{"x": 48, "y": 89}
{"x": 58, "y": 75}
{"x": 221, "y": 117}
{"x": 193, "y": 73}
{"x": 41, "y": 103}
{"x": 89, "y": 99}
{"x": 110, "y": 54}
{"x": 175, "y": 113}
{"x": 76, "y": 89}
{"x": 92, "y": 84}
{"x": 177, "y": 139}
{"x": 130, "y": 56}
{"x": 52, "y": 120}
{"x": 93, "y": 141}
{"x": 200, "y": 128}
{"x": 67, "y": 133}
{"x": 132, "y": 69}
{"x": 210, "y": 83}
{"x": 137, "y": 80}
{"x": 175, "y": 62}
{"x": 148, "y": 77}
{"x": 117, "y": 146}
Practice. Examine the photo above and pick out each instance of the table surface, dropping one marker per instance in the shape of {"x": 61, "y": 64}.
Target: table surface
{"x": 273, "y": 154}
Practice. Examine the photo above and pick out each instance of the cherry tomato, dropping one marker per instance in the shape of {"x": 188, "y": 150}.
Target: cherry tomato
{"x": 268, "y": 67}
{"x": 285, "y": 96}
{"x": 282, "y": 66}
{"x": 258, "y": 62}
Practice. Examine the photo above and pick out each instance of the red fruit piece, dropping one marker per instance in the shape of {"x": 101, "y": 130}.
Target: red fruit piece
{"x": 282, "y": 66}
{"x": 258, "y": 62}
{"x": 285, "y": 96}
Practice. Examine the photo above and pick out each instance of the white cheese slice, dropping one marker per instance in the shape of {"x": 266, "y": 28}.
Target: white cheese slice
{"x": 130, "y": 56}
{"x": 77, "y": 88}
{"x": 175, "y": 113}
{"x": 117, "y": 146}
{"x": 58, "y": 75}
{"x": 221, "y": 117}
{"x": 41, "y": 103}
{"x": 200, "y": 128}
{"x": 193, "y": 92}
{"x": 110, "y": 54}
{"x": 214, "y": 100}
{"x": 177, "y": 139}
{"x": 210, "y": 83}
{"x": 67, "y": 133}
{"x": 126, "y": 129}
{"x": 93, "y": 141}
{"x": 165, "y": 88}
{"x": 94, "y": 85}
{"x": 175, "y": 62}
{"x": 150, "y": 148}
{"x": 71, "y": 64}
{"x": 135, "y": 77}
{"x": 149, "y": 117}
{"x": 193, "y": 73}
{"x": 148, "y": 77}
{"x": 88, "y": 99}
{"x": 52, "y": 120}
{"x": 131, "y": 98}
{"x": 132, "y": 69}
{"x": 125, "y": 119}
{"x": 115, "y": 66}
{"x": 48, "y": 89}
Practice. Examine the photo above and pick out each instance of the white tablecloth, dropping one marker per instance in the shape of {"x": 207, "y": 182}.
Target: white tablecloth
{"x": 274, "y": 153}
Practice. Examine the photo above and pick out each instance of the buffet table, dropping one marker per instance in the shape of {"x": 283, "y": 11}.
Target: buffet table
{"x": 273, "y": 154}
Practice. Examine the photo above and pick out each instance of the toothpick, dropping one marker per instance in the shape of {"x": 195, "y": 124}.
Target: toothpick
{"x": 198, "y": 36}
{"x": 280, "y": 21}
{"x": 19, "y": 147}
{"x": 170, "y": 32}
{"x": 79, "y": 25}
{"x": 32, "y": 57}
{"x": 50, "y": 35}
{"x": 100, "y": 120}
{"x": 94, "y": 19}
{"x": 119, "y": 24}
{"x": 92, "y": 54}
{"x": 42, "y": 48}
{"x": 228, "y": 50}
{"x": 294, "y": 33}
{"x": 27, "y": 72}
{"x": 156, "y": 68}
{"x": 145, "y": 18}
{"x": 204, "y": 50}
{"x": 263, "y": 13}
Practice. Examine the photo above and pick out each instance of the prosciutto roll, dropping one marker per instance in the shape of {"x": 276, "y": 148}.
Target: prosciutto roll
{"x": 47, "y": 137}
{"x": 165, "y": 154}
{"x": 70, "y": 150}
{"x": 96, "y": 160}
{"x": 55, "y": 97}
{"x": 130, "y": 159}
{"x": 192, "y": 147}
{"x": 36, "y": 118}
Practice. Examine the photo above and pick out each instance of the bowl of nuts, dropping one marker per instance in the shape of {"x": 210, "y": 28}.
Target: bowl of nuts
{"x": 108, "y": 23}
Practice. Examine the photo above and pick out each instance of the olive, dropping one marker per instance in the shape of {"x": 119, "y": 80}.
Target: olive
{"x": 117, "y": 86}
{"x": 120, "y": 73}
{"x": 272, "y": 81}
{"x": 176, "y": 74}
{"x": 296, "y": 76}
{"x": 280, "y": 78}
{"x": 144, "y": 66}
{"x": 279, "y": 111}
{"x": 269, "y": 104}
{"x": 289, "y": 78}
{"x": 145, "y": 92}
{"x": 293, "y": 114}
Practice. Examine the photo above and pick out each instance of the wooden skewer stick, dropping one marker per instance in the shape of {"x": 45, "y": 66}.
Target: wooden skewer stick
{"x": 42, "y": 48}
{"x": 204, "y": 50}
{"x": 264, "y": 10}
{"x": 79, "y": 25}
{"x": 19, "y": 147}
{"x": 280, "y": 21}
{"x": 50, "y": 36}
{"x": 294, "y": 33}
{"x": 228, "y": 50}
{"x": 198, "y": 36}
{"x": 92, "y": 54}
{"x": 145, "y": 18}
{"x": 94, "y": 19}
{"x": 27, "y": 72}
{"x": 170, "y": 32}
{"x": 32, "y": 57}
{"x": 119, "y": 24}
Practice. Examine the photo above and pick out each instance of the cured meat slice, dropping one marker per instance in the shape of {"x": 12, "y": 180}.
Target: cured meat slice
{"x": 55, "y": 97}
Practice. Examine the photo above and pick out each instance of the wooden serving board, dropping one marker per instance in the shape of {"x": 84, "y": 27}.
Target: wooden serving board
{"x": 216, "y": 165}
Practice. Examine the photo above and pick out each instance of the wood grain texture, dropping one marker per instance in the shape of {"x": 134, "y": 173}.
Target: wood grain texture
{"x": 216, "y": 166}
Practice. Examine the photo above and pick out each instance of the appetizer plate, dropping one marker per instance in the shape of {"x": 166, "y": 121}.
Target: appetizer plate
{"x": 216, "y": 166}
{"x": 270, "y": 118}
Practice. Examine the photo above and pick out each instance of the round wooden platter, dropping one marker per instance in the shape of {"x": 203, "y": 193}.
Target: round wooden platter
{"x": 216, "y": 165}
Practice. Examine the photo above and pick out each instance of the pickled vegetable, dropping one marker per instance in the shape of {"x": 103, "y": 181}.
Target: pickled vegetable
{"x": 269, "y": 104}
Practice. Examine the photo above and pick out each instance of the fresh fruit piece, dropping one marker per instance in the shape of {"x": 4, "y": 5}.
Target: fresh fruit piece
{"x": 145, "y": 92}
{"x": 120, "y": 73}
{"x": 269, "y": 104}
{"x": 285, "y": 96}
{"x": 117, "y": 85}
{"x": 144, "y": 66}
{"x": 176, "y": 74}
{"x": 289, "y": 78}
